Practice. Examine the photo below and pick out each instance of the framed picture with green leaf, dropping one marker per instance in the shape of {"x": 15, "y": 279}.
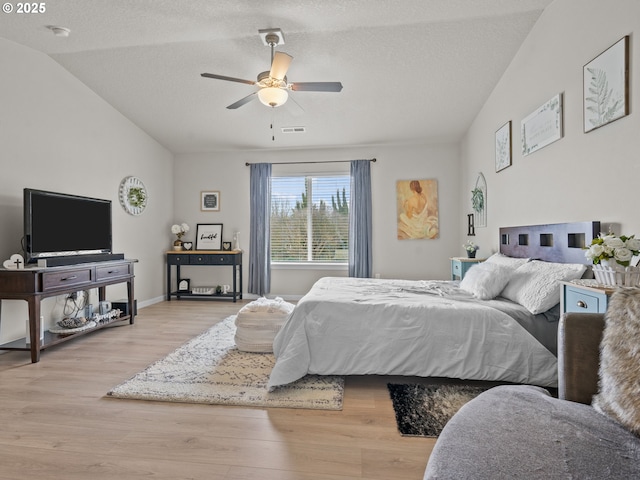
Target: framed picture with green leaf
{"x": 606, "y": 86}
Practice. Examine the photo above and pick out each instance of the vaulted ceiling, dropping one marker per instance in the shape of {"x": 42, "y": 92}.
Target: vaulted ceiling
{"x": 412, "y": 70}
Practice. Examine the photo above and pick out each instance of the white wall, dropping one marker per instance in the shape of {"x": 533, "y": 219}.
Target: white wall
{"x": 581, "y": 177}
{"x": 56, "y": 134}
{"x": 392, "y": 258}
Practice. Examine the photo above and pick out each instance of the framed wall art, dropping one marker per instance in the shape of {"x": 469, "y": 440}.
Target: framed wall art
{"x": 606, "y": 86}
{"x": 417, "y": 209}
{"x": 210, "y": 201}
{"x": 542, "y": 127}
{"x": 209, "y": 236}
{"x": 503, "y": 147}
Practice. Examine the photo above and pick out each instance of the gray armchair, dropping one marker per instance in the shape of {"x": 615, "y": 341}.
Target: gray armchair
{"x": 520, "y": 431}
{"x": 579, "y": 337}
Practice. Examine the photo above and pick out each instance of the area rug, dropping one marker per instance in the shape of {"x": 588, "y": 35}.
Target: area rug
{"x": 424, "y": 410}
{"x": 210, "y": 369}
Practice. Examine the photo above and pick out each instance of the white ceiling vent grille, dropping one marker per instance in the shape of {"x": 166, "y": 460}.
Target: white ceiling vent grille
{"x": 293, "y": 130}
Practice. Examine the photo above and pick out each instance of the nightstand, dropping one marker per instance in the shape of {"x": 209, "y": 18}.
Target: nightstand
{"x": 584, "y": 298}
{"x": 460, "y": 265}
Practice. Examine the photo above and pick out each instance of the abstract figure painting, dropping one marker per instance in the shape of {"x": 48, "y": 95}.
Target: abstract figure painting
{"x": 417, "y": 209}
{"x": 606, "y": 86}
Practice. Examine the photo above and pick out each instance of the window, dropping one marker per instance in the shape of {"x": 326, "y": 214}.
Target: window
{"x": 310, "y": 219}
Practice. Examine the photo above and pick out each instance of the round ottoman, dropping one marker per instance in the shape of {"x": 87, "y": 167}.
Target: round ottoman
{"x": 258, "y": 322}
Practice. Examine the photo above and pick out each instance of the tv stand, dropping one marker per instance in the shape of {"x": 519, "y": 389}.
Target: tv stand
{"x": 32, "y": 284}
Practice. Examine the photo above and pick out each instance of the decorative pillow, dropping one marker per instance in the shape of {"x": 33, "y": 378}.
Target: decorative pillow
{"x": 536, "y": 285}
{"x": 501, "y": 259}
{"x": 619, "y": 373}
{"x": 486, "y": 280}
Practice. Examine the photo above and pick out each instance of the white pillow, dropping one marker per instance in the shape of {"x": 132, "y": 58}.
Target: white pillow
{"x": 486, "y": 280}
{"x": 536, "y": 285}
{"x": 501, "y": 259}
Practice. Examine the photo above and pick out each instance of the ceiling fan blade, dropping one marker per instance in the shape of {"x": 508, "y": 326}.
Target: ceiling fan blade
{"x": 280, "y": 65}
{"x": 242, "y": 101}
{"x": 316, "y": 86}
{"x": 229, "y": 79}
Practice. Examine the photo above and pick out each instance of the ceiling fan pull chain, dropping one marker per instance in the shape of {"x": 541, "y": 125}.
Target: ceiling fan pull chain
{"x": 273, "y": 137}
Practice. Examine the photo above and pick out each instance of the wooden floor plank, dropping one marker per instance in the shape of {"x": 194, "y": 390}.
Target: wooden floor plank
{"x": 56, "y": 421}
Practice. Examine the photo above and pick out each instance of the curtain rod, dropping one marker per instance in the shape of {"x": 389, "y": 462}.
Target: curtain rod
{"x": 297, "y": 163}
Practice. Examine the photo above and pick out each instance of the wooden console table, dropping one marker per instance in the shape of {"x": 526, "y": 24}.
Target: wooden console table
{"x": 32, "y": 284}
{"x": 208, "y": 258}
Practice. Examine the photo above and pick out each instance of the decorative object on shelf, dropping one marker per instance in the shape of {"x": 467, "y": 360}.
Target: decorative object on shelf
{"x": 471, "y": 229}
{"x": 479, "y": 201}
{"x": 184, "y": 285}
{"x": 417, "y": 209}
{"x": 210, "y": 201}
{"x": 615, "y": 259}
{"x": 187, "y": 245}
{"x": 15, "y": 262}
{"x": 543, "y": 126}
{"x": 203, "y": 290}
{"x": 236, "y": 239}
{"x": 226, "y": 246}
{"x": 69, "y": 331}
{"x": 133, "y": 195}
{"x": 70, "y": 322}
{"x": 218, "y": 289}
{"x": 503, "y": 147}
{"x": 471, "y": 249}
{"x": 209, "y": 236}
{"x": 179, "y": 230}
{"x": 606, "y": 86}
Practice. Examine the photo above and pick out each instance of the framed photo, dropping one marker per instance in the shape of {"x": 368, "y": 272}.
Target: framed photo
{"x": 606, "y": 86}
{"x": 503, "y": 147}
{"x": 210, "y": 201}
{"x": 542, "y": 127}
{"x": 209, "y": 236}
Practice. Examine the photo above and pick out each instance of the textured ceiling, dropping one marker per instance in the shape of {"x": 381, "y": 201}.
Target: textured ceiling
{"x": 412, "y": 70}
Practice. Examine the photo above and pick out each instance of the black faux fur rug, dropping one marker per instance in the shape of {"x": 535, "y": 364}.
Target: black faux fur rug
{"x": 424, "y": 410}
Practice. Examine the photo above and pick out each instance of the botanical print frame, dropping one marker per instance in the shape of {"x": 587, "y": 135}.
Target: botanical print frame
{"x": 210, "y": 201}
{"x": 417, "y": 209}
{"x": 543, "y": 126}
{"x": 606, "y": 86}
{"x": 503, "y": 147}
{"x": 209, "y": 236}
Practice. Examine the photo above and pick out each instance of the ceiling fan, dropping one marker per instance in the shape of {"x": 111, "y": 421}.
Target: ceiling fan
{"x": 273, "y": 86}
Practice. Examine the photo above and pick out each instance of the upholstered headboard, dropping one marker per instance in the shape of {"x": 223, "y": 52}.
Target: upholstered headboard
{"x": 559, "y": 242}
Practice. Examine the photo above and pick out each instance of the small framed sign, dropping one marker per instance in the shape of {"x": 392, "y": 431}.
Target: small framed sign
{"x": 209, "y": 236}
{"x": 226, "y": 246}
{"x": 184, "y": 284}
{"x": 210, "y": 201}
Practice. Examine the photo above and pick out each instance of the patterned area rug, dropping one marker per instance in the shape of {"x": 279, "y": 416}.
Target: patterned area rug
{"x": 210, "y": 369}
{"x": 424, "y": 410}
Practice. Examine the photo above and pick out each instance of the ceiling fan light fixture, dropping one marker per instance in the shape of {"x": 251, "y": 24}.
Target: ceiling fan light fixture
{"x": 273, "y": 96}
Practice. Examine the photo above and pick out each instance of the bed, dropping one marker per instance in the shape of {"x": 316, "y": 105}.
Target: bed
{"x": 499, "y": 323}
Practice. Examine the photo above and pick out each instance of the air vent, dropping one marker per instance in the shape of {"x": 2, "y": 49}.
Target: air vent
{"x": 293, "y": 129}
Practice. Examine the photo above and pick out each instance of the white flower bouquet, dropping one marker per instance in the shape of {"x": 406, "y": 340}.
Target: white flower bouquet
{"x": 615, "y": 259}
{"x": 179, "y": 230}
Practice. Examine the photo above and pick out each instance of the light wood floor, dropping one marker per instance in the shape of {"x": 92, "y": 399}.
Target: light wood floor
{"x": 56, "y": 423}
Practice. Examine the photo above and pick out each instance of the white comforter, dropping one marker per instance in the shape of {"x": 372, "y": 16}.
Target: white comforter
{"x": 347, "y": 326}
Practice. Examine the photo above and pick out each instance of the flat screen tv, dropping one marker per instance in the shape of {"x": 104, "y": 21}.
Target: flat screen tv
{"x": 63, "y": 225}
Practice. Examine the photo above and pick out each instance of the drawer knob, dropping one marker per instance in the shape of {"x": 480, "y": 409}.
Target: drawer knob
{"x": 582, "y": 304}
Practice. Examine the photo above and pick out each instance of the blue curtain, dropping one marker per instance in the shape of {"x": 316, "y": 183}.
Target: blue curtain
{"x": 360, "y": 220}
{"x": 260, "y": 226}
